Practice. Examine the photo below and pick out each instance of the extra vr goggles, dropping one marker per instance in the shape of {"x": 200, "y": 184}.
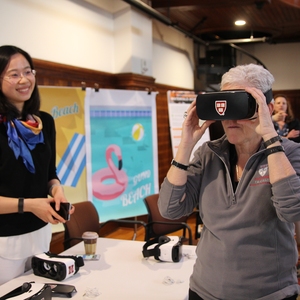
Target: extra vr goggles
{"x": 228, "y": 105}
{"x": 38, "y": 291}
{"x": 30, "y": 290}
{"x": 168, "y": 248}
{"x": 56, "y": 267}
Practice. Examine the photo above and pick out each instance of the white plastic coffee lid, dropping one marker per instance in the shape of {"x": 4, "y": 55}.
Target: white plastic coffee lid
{"x": 90, "y": 235}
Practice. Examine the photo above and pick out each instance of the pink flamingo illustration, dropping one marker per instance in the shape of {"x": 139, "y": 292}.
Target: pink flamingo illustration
{"x": 110, "y": 191}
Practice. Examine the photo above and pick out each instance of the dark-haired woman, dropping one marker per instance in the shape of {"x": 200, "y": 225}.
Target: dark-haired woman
{"x": 27, "y": 166}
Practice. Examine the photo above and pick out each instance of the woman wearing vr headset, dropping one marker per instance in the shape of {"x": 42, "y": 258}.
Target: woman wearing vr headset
{"x": 247, "y": 187}
{"x": 27, "y": 166}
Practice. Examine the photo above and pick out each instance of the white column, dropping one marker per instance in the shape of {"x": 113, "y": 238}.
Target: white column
{"x": 132, "y": 42}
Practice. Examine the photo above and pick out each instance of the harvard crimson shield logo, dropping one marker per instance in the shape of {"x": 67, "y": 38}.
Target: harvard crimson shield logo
{"x": 221, "y": 106}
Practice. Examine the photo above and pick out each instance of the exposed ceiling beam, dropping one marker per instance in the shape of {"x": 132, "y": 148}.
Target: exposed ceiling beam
{"x": 160, "y": 17}
{"x": 248, "y": 40}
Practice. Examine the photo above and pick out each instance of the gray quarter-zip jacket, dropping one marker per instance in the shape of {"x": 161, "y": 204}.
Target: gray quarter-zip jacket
{"x": 247, "y": 248}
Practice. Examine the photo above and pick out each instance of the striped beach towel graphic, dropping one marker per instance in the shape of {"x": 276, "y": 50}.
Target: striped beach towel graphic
{"x": 73, "y": 161}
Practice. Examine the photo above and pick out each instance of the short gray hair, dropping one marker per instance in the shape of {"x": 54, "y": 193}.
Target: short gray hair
{"x": 249, "y": 75}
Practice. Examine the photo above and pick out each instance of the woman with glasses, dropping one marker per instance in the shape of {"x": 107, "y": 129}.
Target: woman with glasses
{"x": 27, "y": 166}
{"x": 247, "y": 188}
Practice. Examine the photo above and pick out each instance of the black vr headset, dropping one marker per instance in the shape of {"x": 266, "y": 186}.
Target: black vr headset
{"x": 168, "y": 248}
{"x": 228, "y": 105}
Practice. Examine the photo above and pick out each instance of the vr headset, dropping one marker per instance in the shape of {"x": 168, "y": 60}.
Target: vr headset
{"x": 36, "y": 291}
{"x": 168, "y": 248}
{"x": 228, "y": 105}
{"x": 56, "y": 267}
{"x": 30, "y": 291}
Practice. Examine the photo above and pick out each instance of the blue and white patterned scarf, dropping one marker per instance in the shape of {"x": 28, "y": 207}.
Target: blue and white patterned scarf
{"x": 23, "y": 136}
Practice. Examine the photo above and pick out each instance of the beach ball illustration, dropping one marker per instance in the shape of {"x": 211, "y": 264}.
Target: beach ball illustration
{"x": 137, "y": 132}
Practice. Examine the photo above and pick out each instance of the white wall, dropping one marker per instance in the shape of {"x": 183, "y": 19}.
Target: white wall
{"x": 173, "y": 59}
{"x": 133, "y": 42}
{"x": 282, "y": 60}
{"x": 59, "y": 31}
{"x": 173, "y": 66}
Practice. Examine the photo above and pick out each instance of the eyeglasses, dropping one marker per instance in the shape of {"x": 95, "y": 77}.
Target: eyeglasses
{"x": 16, "y": 77}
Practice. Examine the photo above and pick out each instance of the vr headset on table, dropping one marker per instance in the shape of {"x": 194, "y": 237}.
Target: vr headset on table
{"x": 56, "y": 267}
{"x": 39, "y": 291}
{"x": 168, "y": 248}
{"x": 30, "y": 290}
{"x": 228, "y": 105}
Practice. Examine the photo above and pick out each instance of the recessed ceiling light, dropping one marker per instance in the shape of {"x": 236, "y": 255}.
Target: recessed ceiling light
{"x": 240, "y": 22}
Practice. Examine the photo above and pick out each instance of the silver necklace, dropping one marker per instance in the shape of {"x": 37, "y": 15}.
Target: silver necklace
{"x": 237, "y": 173}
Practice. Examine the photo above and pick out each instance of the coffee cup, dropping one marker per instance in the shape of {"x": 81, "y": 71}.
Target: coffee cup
{"x": 90, "y": 242}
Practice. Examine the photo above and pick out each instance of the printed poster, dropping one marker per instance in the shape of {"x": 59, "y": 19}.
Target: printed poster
{"x": 178, "y": 103}
{"x": 121, "y": 151}
{"x": 66, "y": 105}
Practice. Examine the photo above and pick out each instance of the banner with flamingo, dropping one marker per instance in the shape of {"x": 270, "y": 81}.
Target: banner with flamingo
{"x": 121, "y": 151}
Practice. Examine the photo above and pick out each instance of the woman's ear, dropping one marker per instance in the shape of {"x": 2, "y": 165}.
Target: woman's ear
{"x": 271, "y": 107}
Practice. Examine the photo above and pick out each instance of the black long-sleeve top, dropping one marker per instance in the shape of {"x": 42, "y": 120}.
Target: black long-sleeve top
{"x": 17, "y": 182}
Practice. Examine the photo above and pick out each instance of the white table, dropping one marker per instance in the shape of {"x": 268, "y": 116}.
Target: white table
{"x": 123, "y": 273}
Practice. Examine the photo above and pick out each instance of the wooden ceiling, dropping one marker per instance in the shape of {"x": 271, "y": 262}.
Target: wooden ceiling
{"x": 213, "y": 20}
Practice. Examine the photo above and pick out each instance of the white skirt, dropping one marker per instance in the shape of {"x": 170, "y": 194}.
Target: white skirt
{"x": 26, "y": 245}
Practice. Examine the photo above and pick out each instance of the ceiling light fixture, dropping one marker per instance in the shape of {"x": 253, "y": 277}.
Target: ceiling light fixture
{"x": 240, "y": 22}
